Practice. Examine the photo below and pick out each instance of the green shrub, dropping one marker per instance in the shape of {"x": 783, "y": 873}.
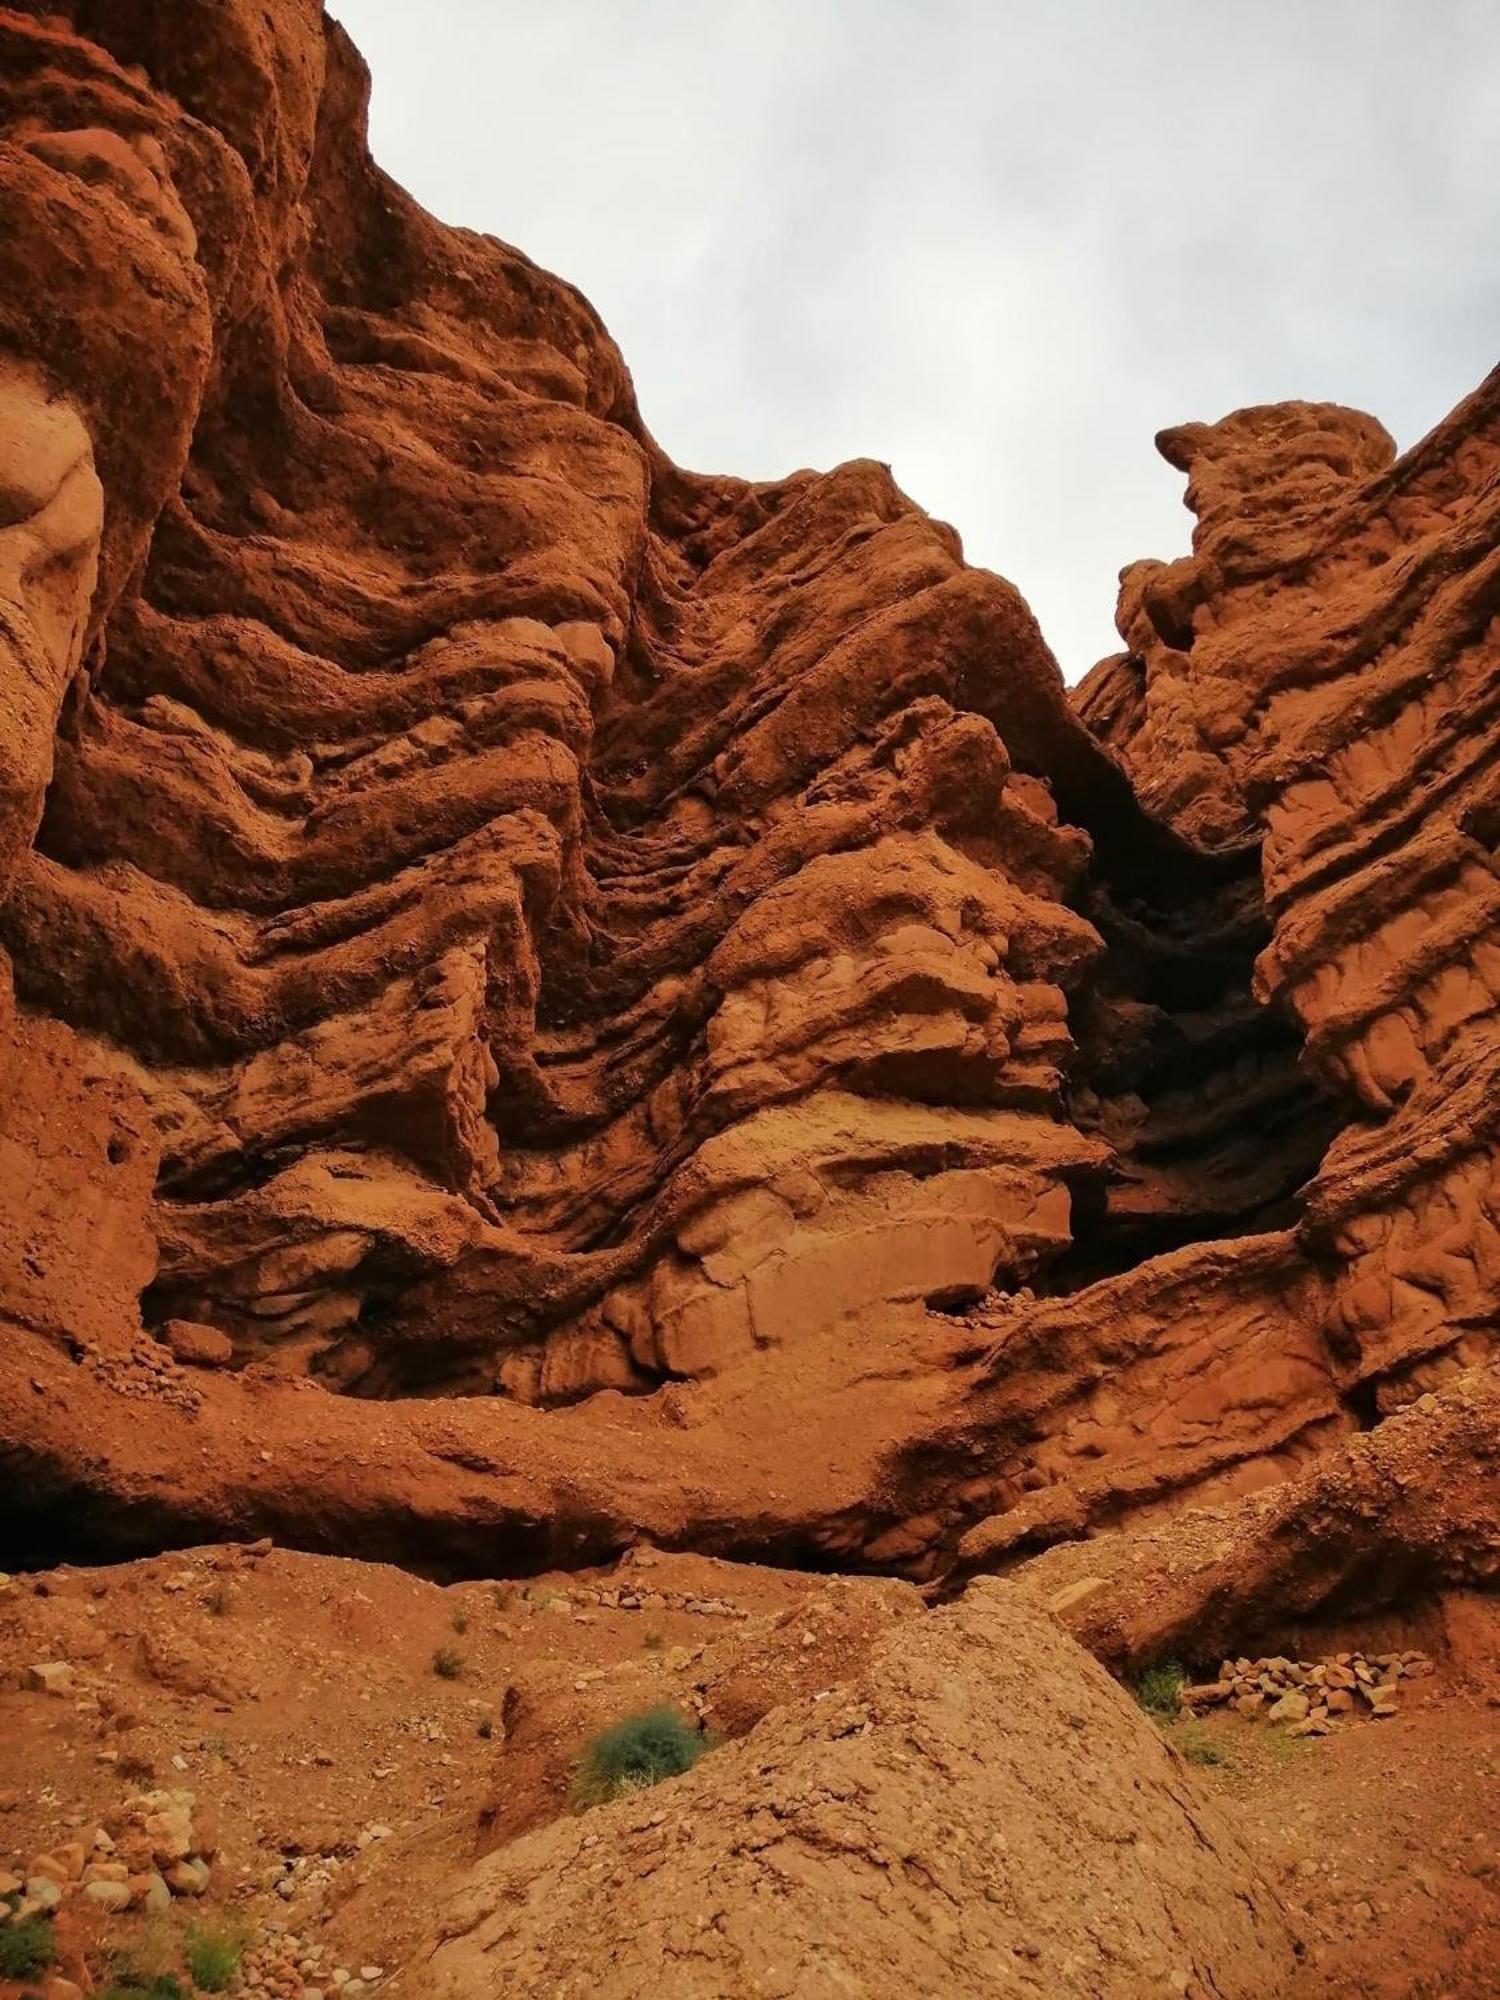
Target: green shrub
{"x": 164, "y": 1986}
{"x": 1159, "y": 1689}
{"x": 213, "y": 1955}
{"x": 448, "y": 1663}
{"x": 635, "y": 1753}
{"x": 25, "y": 1948}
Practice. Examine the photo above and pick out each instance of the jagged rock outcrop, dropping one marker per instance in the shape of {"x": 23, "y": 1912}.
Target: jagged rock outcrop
{"x": 623, "y": 1002}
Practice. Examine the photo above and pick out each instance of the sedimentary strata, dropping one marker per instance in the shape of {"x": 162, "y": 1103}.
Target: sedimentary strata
{"x": 553, "y": 999}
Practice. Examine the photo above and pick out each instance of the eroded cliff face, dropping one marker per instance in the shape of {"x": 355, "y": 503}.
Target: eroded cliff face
{"x": 558, "y": 999}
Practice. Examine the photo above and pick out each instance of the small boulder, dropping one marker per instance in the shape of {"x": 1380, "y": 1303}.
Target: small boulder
{"x": 198, "y": 1346}
{"x": 1292, "y": 1707}
{"x": 50, "y": 1677}
{"x": 154, "y": 1897}
{"x": 188, "y": 1878}
{"x": 111, "y": 1896}
{"x": 106, "y": 1871}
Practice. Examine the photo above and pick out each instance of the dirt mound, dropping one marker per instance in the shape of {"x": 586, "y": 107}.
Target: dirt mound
{"x": 979, "y": 1810}
{"x": 344, "y": 1788}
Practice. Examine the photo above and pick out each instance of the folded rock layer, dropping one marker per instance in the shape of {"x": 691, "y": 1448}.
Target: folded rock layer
{"x": 555, "y": 999}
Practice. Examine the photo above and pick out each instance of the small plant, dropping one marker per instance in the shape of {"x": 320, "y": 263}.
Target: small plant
{"x": 1159, "y": 1689}
{"x": 144, "y": 1972}
{"x": 486, "y": 1728}
{"x": 213, "y": 1955}
{"x": 26, "y": 1947}
{"x": 653, "y": 1642}
{"x": 1199, "y": 1747}
{"x": 460, "y": 1622}
{"x": 635, "y": 1753}
{"x": 448, "y": 1663}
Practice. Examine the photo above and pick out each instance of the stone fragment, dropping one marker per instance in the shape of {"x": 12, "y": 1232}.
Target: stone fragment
{"x": 111, "y": 1896}
{"x": 1205, "y": 1693}
{"x": 156, "y": 1896}
{"x": 106, "y": 1871}
{"x": 51, "y": 1677}
{"x": 198, "y": 1346}
{"x": 188, "y": 1878}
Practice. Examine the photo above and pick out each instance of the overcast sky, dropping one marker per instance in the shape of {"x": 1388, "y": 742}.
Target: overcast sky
{"x": 997, "y": 245}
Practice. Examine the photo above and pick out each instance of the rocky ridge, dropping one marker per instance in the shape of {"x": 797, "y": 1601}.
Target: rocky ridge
{"x": 546, "y": 986}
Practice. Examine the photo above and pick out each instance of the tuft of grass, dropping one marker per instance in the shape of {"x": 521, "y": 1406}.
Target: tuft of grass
{"x": 213, "y": 1954}
{"x": 161, "y": 1986}
{"x": 460, "y": 1622}
{"x": 1198, "y": 1747}
{"x": 145, "y": 1970}
{"x": 1159, "y": 1689}
{"x": 637, "y": 1752}
{"x": 448, "y": 1663}
{"x": 26, "y": 1948}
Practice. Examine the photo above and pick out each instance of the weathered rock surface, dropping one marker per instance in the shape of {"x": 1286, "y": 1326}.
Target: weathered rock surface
{"x": 1400, "y": 1511}
{"x": 979, "y": 1810}
{"x": 555, "y": 999}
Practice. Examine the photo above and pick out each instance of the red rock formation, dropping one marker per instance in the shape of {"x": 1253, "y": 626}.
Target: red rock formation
{"x": 582, "y": 975}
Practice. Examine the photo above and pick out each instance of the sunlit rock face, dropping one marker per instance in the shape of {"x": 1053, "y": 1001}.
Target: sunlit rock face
{"x": 584, "y": 974}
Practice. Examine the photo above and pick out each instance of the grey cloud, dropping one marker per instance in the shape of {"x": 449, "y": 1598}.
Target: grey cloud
{"x": 996, "y": 244}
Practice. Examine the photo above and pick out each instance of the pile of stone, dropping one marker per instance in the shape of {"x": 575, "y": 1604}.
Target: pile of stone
{"x": 147, "y": 1855}
{"x": 1311, "y": 1696}
{"x": 281, "y": 1965}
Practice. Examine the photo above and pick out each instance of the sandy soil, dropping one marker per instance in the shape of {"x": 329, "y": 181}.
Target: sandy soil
{"x": 355, "y": 1737}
